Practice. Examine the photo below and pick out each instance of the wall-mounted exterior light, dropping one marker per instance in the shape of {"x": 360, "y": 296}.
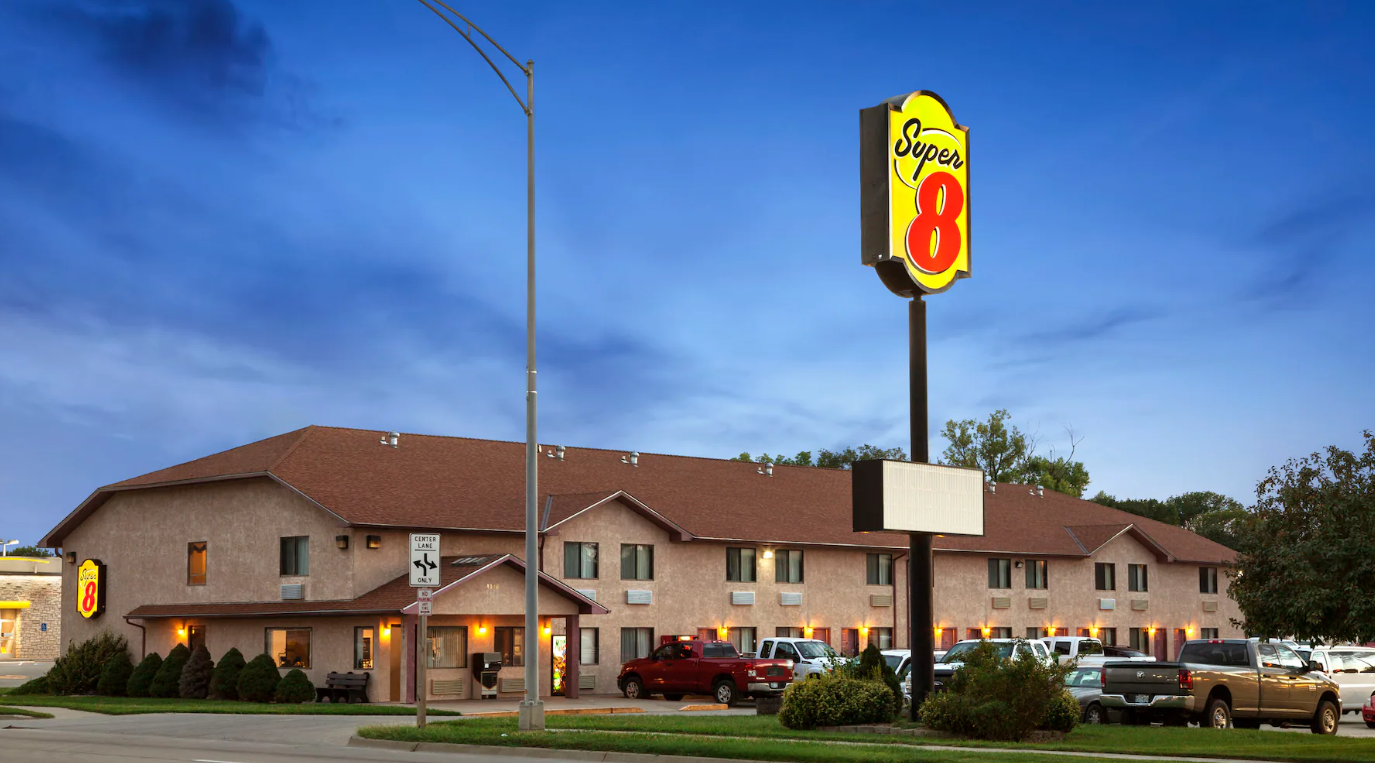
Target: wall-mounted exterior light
{"x": 71, "y": 557}
{"x": 374, "y": 541}
{"x": 342, "y": 541}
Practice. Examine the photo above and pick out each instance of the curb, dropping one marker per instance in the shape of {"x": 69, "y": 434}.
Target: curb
{"x": 531, "y": 752}
{"x": 568, "y": 711}
{"x": 700, "y": 708}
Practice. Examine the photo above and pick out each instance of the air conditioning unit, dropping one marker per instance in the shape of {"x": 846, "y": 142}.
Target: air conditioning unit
{"x": 513, "y": 684}
{"x": 587, "y": 681}
{"x": 441, "y": 687}
{"x": 880, "y": 600}
{"x": 1107, "y": 603}
{"x": 639, "y": 597}
{"x": 1037, "y": 602}
{"x": 742, "y": 598}
{"x": 590, "y": 593}
{"x": 790, "y": 599}
{"x": 1002, "y": 602}
{"x": 292, "y": 591}
{"x": 1140, "y": 605}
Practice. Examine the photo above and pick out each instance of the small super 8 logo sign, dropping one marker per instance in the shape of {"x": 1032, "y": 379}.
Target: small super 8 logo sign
{"x": 914, "y": 169}
{"x": 90, "y": 588}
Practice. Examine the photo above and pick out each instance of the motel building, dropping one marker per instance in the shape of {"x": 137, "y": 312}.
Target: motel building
{"x": 297, "y": 546}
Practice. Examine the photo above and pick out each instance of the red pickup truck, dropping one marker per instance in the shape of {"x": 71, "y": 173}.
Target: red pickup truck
{"x": 703, "y": 667}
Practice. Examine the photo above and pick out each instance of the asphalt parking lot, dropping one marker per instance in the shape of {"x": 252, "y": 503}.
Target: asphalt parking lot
{"x": 16, "y": 672}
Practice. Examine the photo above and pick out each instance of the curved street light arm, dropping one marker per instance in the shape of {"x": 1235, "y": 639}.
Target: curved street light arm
{"x": 523, "y": 106}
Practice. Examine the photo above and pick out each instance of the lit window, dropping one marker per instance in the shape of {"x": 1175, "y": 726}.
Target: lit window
{"x": 195, "y": 563}
{"x": 448, "y": 646}
{"x": 511, "y": 643}
{"x": 290, "y": 647}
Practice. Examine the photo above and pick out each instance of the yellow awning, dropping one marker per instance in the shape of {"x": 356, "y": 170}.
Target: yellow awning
{"x": 14, "y": 605}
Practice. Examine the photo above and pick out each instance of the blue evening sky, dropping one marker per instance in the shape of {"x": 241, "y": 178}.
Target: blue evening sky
{"x": 224, "y": 219}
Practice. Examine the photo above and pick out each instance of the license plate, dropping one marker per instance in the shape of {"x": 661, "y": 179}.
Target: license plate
{"x": 775, "y": 686}
{"x": 1138, "y": 699}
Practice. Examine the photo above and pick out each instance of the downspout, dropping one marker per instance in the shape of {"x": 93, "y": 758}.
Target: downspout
{"x": 895, "y": 603}
{"x": 543, "y": 527}
{"x": 143, "y": 646}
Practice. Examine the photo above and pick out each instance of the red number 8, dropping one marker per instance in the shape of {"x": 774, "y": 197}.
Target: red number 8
{"x": 88, "y": 601}
{"x": 938, "y": 220}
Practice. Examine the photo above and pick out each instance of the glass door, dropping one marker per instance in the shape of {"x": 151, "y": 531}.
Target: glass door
{"x": 559, "y": 663}
{"x": 8, "y": 619}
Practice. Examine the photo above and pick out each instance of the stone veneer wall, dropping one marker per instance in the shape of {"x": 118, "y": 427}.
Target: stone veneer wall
{"x": 44, "y": 594}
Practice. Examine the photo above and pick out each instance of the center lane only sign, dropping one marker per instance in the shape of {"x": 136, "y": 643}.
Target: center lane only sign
{"x": 424, "y": 560}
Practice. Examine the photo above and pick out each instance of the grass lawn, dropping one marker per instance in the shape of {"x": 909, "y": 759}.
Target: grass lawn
{"x": 140, "y": 705}
{"x": 1236, "y": 743}
{"x": 502, "y": 732}
{"x": 22, "y": 711}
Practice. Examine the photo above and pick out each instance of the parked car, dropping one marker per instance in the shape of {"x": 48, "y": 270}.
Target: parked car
{"x": 1007, "y": 648}
{"x": 1123, "y": 653}
{"x": 1086, "y": 685}
{"x": 1086, "y": 650}
{"x": 1224, "y": 683}
{"x": 1352, "y": 667}
{"x": 1368, "y": 712}
{"x": 703, "y": 667}
{"x": 900, "y": 660}
{"x": 810, "y": 657}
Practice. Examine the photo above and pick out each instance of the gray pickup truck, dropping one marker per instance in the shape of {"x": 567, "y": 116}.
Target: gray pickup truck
{"x": 1224, "y": 683}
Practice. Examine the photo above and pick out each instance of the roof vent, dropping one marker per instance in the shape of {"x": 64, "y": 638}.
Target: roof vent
{"x": 992, "y": 486}
{"x": 1040, "y": 491}
{"x": 555, "y": 452}
{"x": 633, "y": 458}
{"x": 766, "y": 470}
{"x": 393, "y": 439}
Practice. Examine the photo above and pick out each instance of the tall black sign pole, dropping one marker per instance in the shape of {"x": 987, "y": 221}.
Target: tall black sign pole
{"x": 920, "y": 581}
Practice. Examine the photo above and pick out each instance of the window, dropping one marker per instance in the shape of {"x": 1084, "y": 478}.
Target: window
{"x": 881, "y": 637}
{"x": 290, "y": 647}
{"x": 1207, "y": 633}
{"x": 195, "y": 563}
{"x": 195, "y": 636}
{"x": 879, "y": 569}
{"x": 1064, "y": 647}
{"x": 746, "y": 640}
{"x": 591, "y": 648}
{"x": 448, "y": 646}
{"x": 787, "y": 566}
{"x": 635, "y": 643}
{"x": 740, "y": 567}
{"x": 1036, "y": 574}
{"x": 511, "y": 643}
{"x": 788, "y": 632}
{"x": 1036, "y": 633}
{"x": 296, "y": 555}
{"x": 637, "y": 562}
{"x": 362, "y": 647}
{"x": 722, "y": 649}
{"x": 1105, "y": 576}
{"x": 580, "y": 561}
{"x": 1136, "y": 578}
{"x": 1107, "y": 636}
{"x": 1002, "y": 631}
{"x": 1139, "y": 638}
{"x": 999, "y": 573}
{"x": 1207, "y": 580}
{"x": 782, "y": 650}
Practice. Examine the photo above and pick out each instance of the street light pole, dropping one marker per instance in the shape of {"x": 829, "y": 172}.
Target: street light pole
{"x": 531, "y": 707}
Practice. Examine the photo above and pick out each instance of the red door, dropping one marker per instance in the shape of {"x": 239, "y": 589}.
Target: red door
{"x": 822, "y": 634}
{"x": 849, "y": 642}
{"x": 948, "y": 637}
{"x": 1179, "y": 638}
{"x": 1161, "y": 647}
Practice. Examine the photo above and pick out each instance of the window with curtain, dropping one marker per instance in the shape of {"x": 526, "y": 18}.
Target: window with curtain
{"x": 788, "y": 632}
{"x": 448, "y": 646}
{"x": 787, "y": 566}
{"x": 1105, "y": 576}
{"x": 1107, "y": 636}
{"x": 195, "y": 563}
{"x": 1207, "y": 632}
{"x": 999, "y": 573}
{"x": 1207, "y": 580}
{"x": 740, "y": 565}
{"x": 511, "y": 643}
{"x": 636, "y": 643}
{"x": 290, "y": 647}
{"x": 1139, "y": 639}
{"x": 590, "y": 653}
{"x": 637, "y": 561}
{"x": 746, "y": 640}
{"x": 296, "y": 555}
{"x": 881, "y": 637}
{"x": 580, "y": 561}
{"x": 1136, "y": 577}
{"x": 879, "y": 569}
{"x": 1037, "y": 574}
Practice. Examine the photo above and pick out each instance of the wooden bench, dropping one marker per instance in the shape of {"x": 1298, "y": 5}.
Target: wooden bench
{"x": 344, "y": 687}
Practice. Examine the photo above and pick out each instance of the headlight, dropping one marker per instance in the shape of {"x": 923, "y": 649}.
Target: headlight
{"x": 790, "y": 664}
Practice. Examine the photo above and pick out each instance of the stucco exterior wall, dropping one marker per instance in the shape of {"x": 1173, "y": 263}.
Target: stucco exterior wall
{"x": 43, "y": 595}
{"x": 373, "y": 567}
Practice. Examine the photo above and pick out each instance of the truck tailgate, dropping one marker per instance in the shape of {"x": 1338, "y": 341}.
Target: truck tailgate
{"x": 1141, "y": 678}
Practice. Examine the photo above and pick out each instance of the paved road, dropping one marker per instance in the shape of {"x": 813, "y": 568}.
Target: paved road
{"x": 15, "y": 672}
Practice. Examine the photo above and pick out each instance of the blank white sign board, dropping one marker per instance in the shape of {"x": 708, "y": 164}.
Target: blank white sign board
{"x": 906, "y": 497}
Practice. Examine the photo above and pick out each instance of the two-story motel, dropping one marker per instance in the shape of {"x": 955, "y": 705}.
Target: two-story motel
{"x": 297, "y": 546}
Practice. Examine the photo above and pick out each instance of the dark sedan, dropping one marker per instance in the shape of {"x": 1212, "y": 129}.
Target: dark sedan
{"x": 1086, "y": 685}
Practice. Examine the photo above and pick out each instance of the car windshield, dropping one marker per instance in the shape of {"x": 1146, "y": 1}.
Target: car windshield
{"x": 893, "y": 660}
{"x": 814, "y": 650}
{"x": 957, "y": 652}
{"x": 1084, "y": 677}
{"x": 1087, "y": 647}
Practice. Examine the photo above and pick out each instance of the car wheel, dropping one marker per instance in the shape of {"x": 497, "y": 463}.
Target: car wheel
{"x": 1370, "y": 724}
{"x": 634, "y": 689}
{"x": 673, "y": 697}
{"x": 725, "y": 693}
{"x": 1326, "y": 718}
{"x": 1219, "y": 714}
{"x": 1095, "y": 714}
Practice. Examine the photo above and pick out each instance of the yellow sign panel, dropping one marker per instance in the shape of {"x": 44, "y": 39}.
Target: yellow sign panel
{"x": 90, "y": 588}
{"x": 914, "y": 169}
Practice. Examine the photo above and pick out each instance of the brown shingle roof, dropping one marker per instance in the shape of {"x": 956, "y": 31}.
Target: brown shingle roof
{"x": 458, "y": 483}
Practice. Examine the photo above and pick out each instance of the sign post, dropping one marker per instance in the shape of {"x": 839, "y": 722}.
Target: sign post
{"x": 914, "y": 220}
{"x": 424, "y": 576}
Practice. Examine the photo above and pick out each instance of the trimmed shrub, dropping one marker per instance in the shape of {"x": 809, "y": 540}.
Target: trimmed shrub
{"x": 195, "y": 676}
{"x": 259, "y": 678}
{"x": 165, "y": 682}
{"x": 224, "y": 682}
{"x": 994, "y": 698}
{"x": 1062, "y": 714}
{"x": 836, "y": 700}
{"x": 114, "y": 680}
{"x": 142, "y": 677}
{"x": 872, "y": 667}
{"x": 294, "y": 689}
{"x": 78, "y": 671}
{"x": 37, "y": 685}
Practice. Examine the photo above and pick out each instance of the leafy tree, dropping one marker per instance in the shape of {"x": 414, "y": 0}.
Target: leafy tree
{"x": 30, "y": 551}
{"x": 1151, "y": 508}
{"x": 1305, "y": 571}
{"x": 142, "y": 677}
{"x": 168, "y": 679}
{"x": 1212, "y": 515}
{"x": 195, "y": 676}
{"x": 827, "y": 459}
{"x": 1000, "y": 450}
{"x": 1225, "y": 526}
{"x": 224, "y": 681}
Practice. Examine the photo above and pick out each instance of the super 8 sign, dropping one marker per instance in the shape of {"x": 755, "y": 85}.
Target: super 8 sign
{"x": 914, "y": 194}
{"x": 90, "y": 588}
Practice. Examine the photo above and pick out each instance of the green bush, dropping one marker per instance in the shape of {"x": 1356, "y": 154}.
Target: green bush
{"x": 1062, "y": 714}
{"x": 114, "y": 680}
{"x": 872, "y": 667}
{"x": 37, "y": 685}
{"x": 195, "y": 675}
{"x": 166, "y": 681}
{"x": 78, "y": 671}
{"x": 258, "y": 680}
{"x": 142, "y": 677}
{"x": 836, "y": 700}
{"x": 224, "y": 682}
{"x": 996, "y": 699}
{"x": 294, "y": 689}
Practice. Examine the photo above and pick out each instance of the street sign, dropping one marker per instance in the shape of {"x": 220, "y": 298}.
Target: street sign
{"x": 424, "y": 560}
{"x": 426, "y": 608}
{"x": 424, "y": 594}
